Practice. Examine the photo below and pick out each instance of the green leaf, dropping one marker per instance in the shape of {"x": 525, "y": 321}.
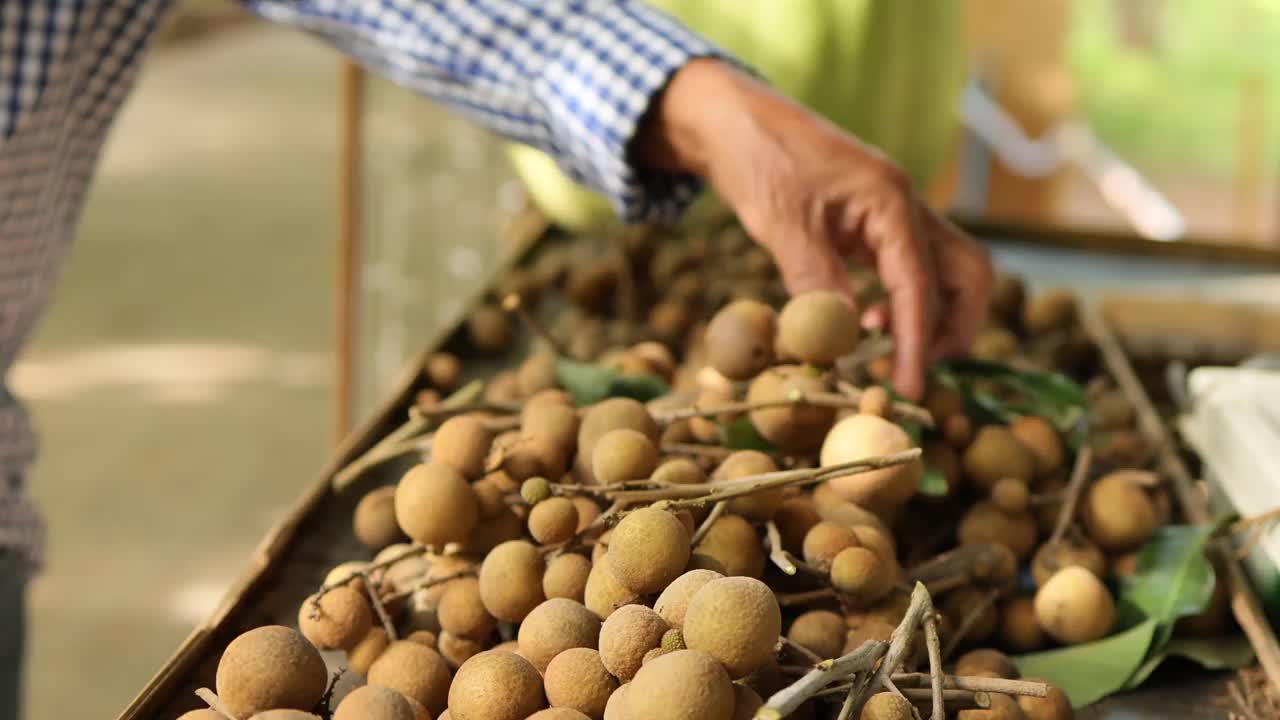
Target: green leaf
{"x": 1089, "y": 672}
{"x": 1173, "y": 577}
{"x": 1053, "y": 396}
{"x": 592, "y": 383}
{"x": 1230, "y": 652}
{"x": 742, "y": 435}
{"x": 933, "y": 483}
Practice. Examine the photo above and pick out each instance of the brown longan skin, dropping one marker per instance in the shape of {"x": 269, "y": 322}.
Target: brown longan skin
{"x": 626, "y": 635}
{"x": 737, "y": 621}
{"x": 415, "y": 671}
{"x": 756, "y": 506}
{"x": 435, "y": 505}
{"x": 821, "y": 632}
{"x": 1002, "y": 707}
{"x": 672, "y": 604}
{"x": 604, "y": 593}
{"x": 537, "y": 373}
{"x": 796, "y": 428}
{"x": 1118, "y": 513}
{"x": 370, "y": 702}
{"x": 490, "y": 329}
{"x": 647, "y": 550}
{"x": 554, "y": 626}
{"x": 794, "y": 518}
{"x": 462, "y": 442}
{"x": 444, "y": 371}
{"x": 957, "y": 604}
{"x": 817, "y": 327}
{"x": 736, "y": 544}
{"x": 1050, "y": 558}
{"x": 986, "y": 660}
{"x": 205, "y": 714}
{"x": 1011, "y": 495}
{"x": 881, "y": 491}
{"x": 1019, "y": 630}
{"x": 613, "y": 414}
{"x": 679, "y": 471}
{"x": 361, "y": 657}
{"x": 578, "y": 679}
{"x": 553, "y": 421}
{"x": 996, "y": 454}
{"x": 1039, "y": 437}
{"x": 566, "y": 577}
{"x": 558, "y": 714}
{"x": 746, "y": 702}
{"x": 824, "y": 541}
{"x": 623, "y": 454}
{"x": 270, "y": 667}
{"x": 511, "y": 580}
{"x": 553, "y": 521}
{"x": 687, "y": 684}
{"x": 984, "y": 522}
{"x": 496, "y": 685}
{"x": 374, "y": 521}
{"x": 740, "y": 339}
{"x": 1054, "y": 706}
{"x": 861, "y": 576}
{"x": 456, "y": 649}
{"x": 886, "y": 706}
{"x": 462, "y": 613}
{"x": 616, "y": 709}
{"x": 338, "y": 620}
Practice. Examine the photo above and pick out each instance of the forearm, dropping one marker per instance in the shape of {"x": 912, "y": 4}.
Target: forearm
{"x": 571, "y": 78}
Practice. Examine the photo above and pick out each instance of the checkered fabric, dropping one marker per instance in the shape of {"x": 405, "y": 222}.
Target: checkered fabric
{"x": 572, "y": 77}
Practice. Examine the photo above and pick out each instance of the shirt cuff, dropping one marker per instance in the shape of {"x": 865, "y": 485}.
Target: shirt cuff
{"x": 614, "y": 59}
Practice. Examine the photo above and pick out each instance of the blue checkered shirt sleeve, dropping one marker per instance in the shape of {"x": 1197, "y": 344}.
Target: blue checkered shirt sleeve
{"x": 573, "y": 78}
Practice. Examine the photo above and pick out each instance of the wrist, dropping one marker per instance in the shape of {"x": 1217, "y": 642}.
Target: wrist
{"x": 693, "y": 119}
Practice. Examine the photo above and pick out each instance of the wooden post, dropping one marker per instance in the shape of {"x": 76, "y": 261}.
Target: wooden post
{"x": 348, "y": 258}
{"x": 1251, "y": 143}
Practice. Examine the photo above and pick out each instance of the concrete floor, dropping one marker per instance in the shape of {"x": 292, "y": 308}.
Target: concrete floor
{"x": 181, "y": 381}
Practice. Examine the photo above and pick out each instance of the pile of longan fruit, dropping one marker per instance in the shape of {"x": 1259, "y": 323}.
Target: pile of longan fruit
{"x": 534, "y": 597}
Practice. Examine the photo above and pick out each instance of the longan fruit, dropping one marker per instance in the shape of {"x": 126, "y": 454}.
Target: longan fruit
{"x": 456, "y": 649}
{"x": 534, "y": 456}
{"x": 374, "y": 521}
{"x": 1074, "y": 606}
{"x": 490, "y": 499}
{"x": 616, "y": 708}
{"x": 833, "y": 508}
{"x": 745, "y": 702}
{"x": 415, "y": 671}
{"x": 621, "y": 455}
{"x": 626, "y": 635}
{"x": 861, "y": 576}
{"x": 435, "y": 505}
{"x": 986, "y": 660}
{"x": 959, "y": 603}
{"x": 669, "y": 319}
{"x": 558, "y": 714}
{"x": 943, "y": 402}
{"x": 862, "y": 436}
{"x": 698, "y": 561}
{"x": 462, "y": 442}
{"x": 817, "y": 327}
{"x": 736, "y": 620}
{"x": 496, "y": 685}
{"x": 444, "y": 371}
{"x": 347, "y": 573}
{"x": 743, "y": 463}
{"x": 875, "y": 400}
{"x": 1007, "y": 299}
{"x": 794, "y": 427}
{"x": 740, "y": 337}
{"x": 996, "y": 344}
{"x": 590, "y": 286}
{"x": 270, "y": 667}
{"x": 205, "y": 714}
{"x": 577, "y": 679}
{"x": 679, "y": 471}
{"x": 588, "y": 511}
{"x": 1118, "y": 513}
{"x": 611, "y": 414}
{"x": 423, "y": 637}
{"x": 733, "y": 542}
{"x": 672, "y": 604}
{"x": 442, "y": 566}
{"x": 887, "y": 706}
{"x": 370, "y": 702}
{"x": 360, "y": 657}
{"x": 1112, "y": 410}
{"x": 284, "y": 715}
{"x": 1054, "y": 706}
{"x": 462, "y": 613}
{"x": 555, "y": 626}
{"x": 821, "y": 632}
{"x": 879, "y": 541}
{"x": 490, "y": 329}
{"x": 1050, "y": 310}
{"x": 1019, "y": 630}
{"x": 427, "y": 399}
{"x": 337, "y": 620}
{"x": 872, "y": 628}
{"x": 511, "y": 580}
{"x": 553, "y": 521}
{"x": 957, "y": 430}
{"x": 537, "y": 373}
{"x": 647, "y": 550}
{"x": 996, "y": 454}
{"x": 984, "y": 522}
{"x": 794, "y": 518}
{"x": 824, "y": 541}
{"x": 604, "y": 593}
{"x": 1050, "y": 558}
{"x": 1038, "y": 436}
{"x": 1011, "y": 495}
{"x": 1002, "y": 707}
{"x": 552, "y": 420}
{"x": 566, "y": 577}
{"x": 686, "y": 684}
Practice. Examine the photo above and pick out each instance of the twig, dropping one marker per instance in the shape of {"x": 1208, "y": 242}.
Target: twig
{"x": 799, "y": 649}
{"x": 970, "y": 619}
{"x": 514, "y": 304}
{"x": 427, "y": 583}
{"x": 1238, "y": 695}
{"x": 804, "y": 598}
{"x": 953, "y": 699}
{"x": 211, "y": 699}
{"x": 1046, "y": 498}
{"x": 850, "y": 703}
{"x": 935, "y": 663}
{"x": 414, "y": 551}
{"x": 1079, "y": 475}
{"x": 393, "y": 445}
{"x": 777, "y": 554}
{"x": 899, "y": 641}
{"x": 716, "y": 511}
{"x": 322, "y": 707}
{"x": 900, "y": 410}
{"x": 786, "y": 700}
{"x": 715, "y": 452}
{"x": 975, "y": 684}
{"x": 378, "y": 608}
{"x": 958, "y": 567}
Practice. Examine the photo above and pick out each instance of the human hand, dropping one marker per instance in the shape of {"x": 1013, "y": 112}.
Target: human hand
{"x": 815, "y": 196}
